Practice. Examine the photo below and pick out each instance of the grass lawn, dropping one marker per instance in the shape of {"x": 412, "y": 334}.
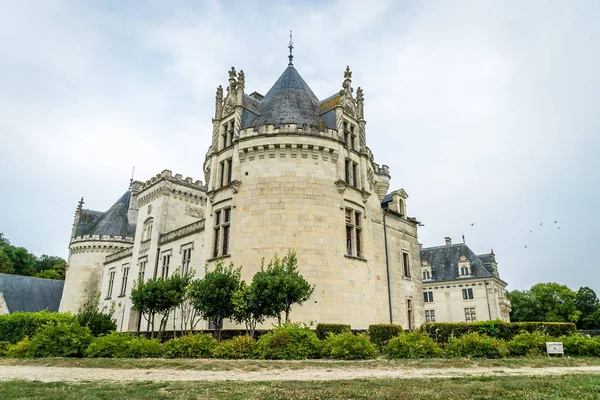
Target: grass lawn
{"x": 260, "y": 365}
{"x": 546, "y": 388}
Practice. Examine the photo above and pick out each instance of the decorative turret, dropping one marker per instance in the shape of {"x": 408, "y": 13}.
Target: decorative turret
{"x": 232, "y": 82}
{"x": 219, "y": 103}
{"x": 360, "y": 103}
{"x": 76, "y": 219}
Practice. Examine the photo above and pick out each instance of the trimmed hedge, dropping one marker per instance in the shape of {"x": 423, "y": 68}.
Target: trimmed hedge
{"x": 239, "y": 347}
{"x": 381, "y": 334}
{"x": 124, "y": 345}
{"x": 347, "y": 346}
{"x": 442, "y": 332}
{"x": 16, "y": 326}
{"x": 289, "y": 342}
{"x": 413, "y": 345}
{"x": 200, "y": 345}
{"x": 323, "y": 330}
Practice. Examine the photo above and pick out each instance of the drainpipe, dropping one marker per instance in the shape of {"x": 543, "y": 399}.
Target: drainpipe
{"x": 488, "y": 300}
{"x": 387, "y": 264}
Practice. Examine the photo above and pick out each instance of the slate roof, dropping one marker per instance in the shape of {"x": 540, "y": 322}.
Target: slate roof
{"x": 112, "y": 222}
{"x": 26, "y": 293}
{"x": 289, "y": 101}
{"x": 444, "y": 262}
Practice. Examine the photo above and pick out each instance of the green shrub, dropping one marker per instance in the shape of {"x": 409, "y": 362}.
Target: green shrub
{"x": 16, "y": 326}
{"x": 412, "y": 345}
{"x": 477, "y": 345}
{"x": 347, "y": 346}
{"x": 237, "y": 348}
{"x": 528, "y": 344}
{"x": 201, "y": 345}
{"x": 381, "y": 334}
{"x": 580, "y": 345}
{"x": 124, "y": 345}
{"x": 442, "y": 332}
{"x": 61, "y": 340}
{"x": 100, "y": 321}
{"x": 4, "y": 345}
{"x": 289, "y": 342}
{"x": 20, "y": 349}
{"x": 323, "y": 330}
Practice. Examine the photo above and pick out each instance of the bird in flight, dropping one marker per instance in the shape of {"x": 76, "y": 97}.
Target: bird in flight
{"x": 541, "y": 223}
{"x": 473, "y": 224}
{"x": 530, "y": 231}
{"x": 525, "y": 246}
{"x": 555, "y": 222}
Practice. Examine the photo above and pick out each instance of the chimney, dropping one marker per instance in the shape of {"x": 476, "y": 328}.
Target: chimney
{"x": 448, "y": 240}
{"x": 420, "y": 246}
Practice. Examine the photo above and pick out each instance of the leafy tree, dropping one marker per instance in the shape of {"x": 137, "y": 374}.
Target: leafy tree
{"x": 587, "y": 302}
{"x": 51, "y": 263}
{"x": 6, "y": 265}
{"x": 280, "y": 286}
{"x": 23, "y": 261}
{"x": 100, "y": 320}
{"x": 212, "y": 295}
{"x": 524, "y": 306}
{"x": 158, "y": 297}
{"x": 545, "y": 302}
{"x": 247, "y": 308}
{"x": 49, "y": 274}
{"x": 3, "y": 240}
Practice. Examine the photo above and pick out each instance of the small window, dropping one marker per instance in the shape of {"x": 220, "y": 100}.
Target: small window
{"x": 353, "y": 233}
{"x": 428, "y": 297}
{"x": 166, "y": 261}
{"x": 429, "y": 315}
{"x": 409, "y": 309}
{"x": 186, "y": 258}
{"x": 147, "y": 230}
{"x": 142, "y": 269}
{"x": 406, "y": 264}
{"x": 111, "y": 282}
{"x": 351, "y": 173}
{"x": 470, "y": 315}
{"x": 426, "y": 274}
{"x": 467, "y": 294}
{"x": 124, "y": 279}
{"x": 221, "y": 232}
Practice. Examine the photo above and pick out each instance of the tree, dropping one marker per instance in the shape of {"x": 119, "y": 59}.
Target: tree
{"x": 49, "y": 274}
{"x": 247, "y": 308}
{"x": 51, "y": 263}
{"x": 546, "y": 302}
{"x": 6, "y": 265}
{"x": 280, "y": 286}
{"x": 524, "y": 306}
{"x": 23, "y": 261}
{"x": 100, "y": 320}
{"x": 212, "y": 295}
{"x": 587, "y": 302}
{"x": 158, "y": 297}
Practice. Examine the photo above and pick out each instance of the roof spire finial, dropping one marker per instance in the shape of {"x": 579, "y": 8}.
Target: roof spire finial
{"x": 291, "y": 46}
{"x": 131, "y": 179}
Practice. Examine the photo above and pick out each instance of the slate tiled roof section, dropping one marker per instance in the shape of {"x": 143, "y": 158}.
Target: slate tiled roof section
{"x": 486, "y": 260}
{"x": 444, "y": 262}
{"x": 112, "y": 222}
{"x": 290, "y": 100}
{"x": 26, "y": 293}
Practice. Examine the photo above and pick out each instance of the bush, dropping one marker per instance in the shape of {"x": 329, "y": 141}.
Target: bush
{"x": 477, "y": 345}
{"x": 347, "y": 346}
{"x": 4, "y": 345}
{"x": 580, "y": 345}
{"x": 61, "y": 340}
{"x": 238, "y": 347}
{"x": 323, "y": 330}
{"x": 442, "y": 332}
{"x": 201, "y": 345}
{"x": 381, "y": 334}
{"x": 16, "y": 326}
{"x": 124, "y": 345}
{"x": 99, "y": 321}
{"x": 289, "y": 342}
{"x": 528, "y": 344}
{"x": 20, "y": 349}
{"x": 412, "y": 345}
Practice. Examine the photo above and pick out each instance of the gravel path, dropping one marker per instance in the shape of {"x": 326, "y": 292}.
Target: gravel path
{"x": 58, "y": 374}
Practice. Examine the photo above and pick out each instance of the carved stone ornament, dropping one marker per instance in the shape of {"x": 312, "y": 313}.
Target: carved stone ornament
{"x": 149, "y": 208}
{"x": 195, "y": 212}
{"x": 341, "y": 186}
{"x": 365, "y": 195}
{"x": 229, "y": 105}
{"x": 235, "y": 186}
{"x": 211, "y": 195}
{"x": 371, "y": 178}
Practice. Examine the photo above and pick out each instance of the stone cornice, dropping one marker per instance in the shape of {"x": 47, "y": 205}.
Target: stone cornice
{"x": 194, "y": 227}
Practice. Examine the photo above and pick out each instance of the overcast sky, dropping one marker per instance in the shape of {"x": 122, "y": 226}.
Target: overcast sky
{"x": 487, "y": 112}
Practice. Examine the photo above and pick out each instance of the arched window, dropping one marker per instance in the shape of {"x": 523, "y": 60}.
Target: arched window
{"x": 147, "y": 231}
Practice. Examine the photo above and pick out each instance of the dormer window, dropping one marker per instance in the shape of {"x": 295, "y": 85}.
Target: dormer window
{"x": 426, "y": 274}
{"x": 464, "y": 269}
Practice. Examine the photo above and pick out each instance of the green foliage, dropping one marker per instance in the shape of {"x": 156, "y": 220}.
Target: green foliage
{"x": 412, "y": 345}
{"x": 16, "y": 326}
{"x": 49, "y": 274}
{"x": 323, "y": 330}
{"x": 587, "y": 302}
{"x": 124, "y": 345}
{"x": 289, "y": 342}
{"x": 61, "y": 340}
{"x": 239, "y": 347}
{"x": 19, "y": 261}
{"x": 159, "y": 297}
{"x": 21, "y": 349}
{"x": 580, "y": 345}
{"x": 6, "y": 265}
{"x": 23, "y": 262}
{"x": 247, "y": 308}
{"x": 381, "y": 334}
{"x": 4, "y": 345}
{"x": 212, "y": 296}
{"x": 544, "y": 302}
{"x": 442, "y": 332}
{"x": 528, "y": 344}
{"x": 347, "y": 346}
{"x": 99, "y": 321}
{"x": 51, "y": 267}
{"x": 278, "y": 287}
{"x": 200, "y": 345}
{"x": 477, "y": 345}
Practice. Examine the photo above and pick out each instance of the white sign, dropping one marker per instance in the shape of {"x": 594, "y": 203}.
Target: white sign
{"x": 555, "y": 348}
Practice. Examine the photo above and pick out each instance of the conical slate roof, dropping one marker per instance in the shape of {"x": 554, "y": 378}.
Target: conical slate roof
{"x": 112, "y": 222}
{"x": 290, "y": 100}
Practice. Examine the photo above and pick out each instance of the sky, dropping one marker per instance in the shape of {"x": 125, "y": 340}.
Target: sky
{"x": 486, "y": 112}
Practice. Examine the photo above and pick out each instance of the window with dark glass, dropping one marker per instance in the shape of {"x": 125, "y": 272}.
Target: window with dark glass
{"x": 222, "y": 232}
{"x": 111, "y": 282}
{"x": 124, "y": 280}
{"x": 428, "y": 297}
{"x": 406, "y": 264}
{"x": 467, "y": 294}
{"x": 353, "y": 233}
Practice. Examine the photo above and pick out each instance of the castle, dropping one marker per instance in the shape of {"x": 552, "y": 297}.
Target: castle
{"x": 284, "y": 171}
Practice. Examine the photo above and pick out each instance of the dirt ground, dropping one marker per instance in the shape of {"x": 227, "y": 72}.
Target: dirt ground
{"x": 58, "y": 374}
